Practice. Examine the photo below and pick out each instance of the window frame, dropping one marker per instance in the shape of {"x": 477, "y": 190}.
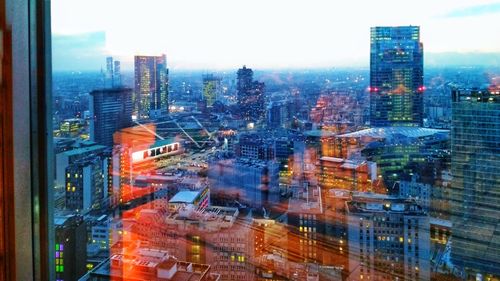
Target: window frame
{"x": 27, "y": 127}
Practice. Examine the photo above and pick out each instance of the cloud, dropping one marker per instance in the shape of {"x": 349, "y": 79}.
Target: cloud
{"x": 473, "y": 11}
{"x": 85, "y": 51}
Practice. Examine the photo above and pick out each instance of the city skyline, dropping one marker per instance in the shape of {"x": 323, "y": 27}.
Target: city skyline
{"x": 250, "y": 140}
{"x": 278, "y": 36}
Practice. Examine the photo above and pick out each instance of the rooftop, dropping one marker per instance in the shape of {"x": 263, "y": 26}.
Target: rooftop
{"x": 385, "y": 132}
{"x": 187, "y": 197}
{"x": 133, "y": 266}
{"x": 366, "y": 202}
{"x": 320, "y": 133}
{"x": 345, "y": 163}
{"x": 83, "y": 150}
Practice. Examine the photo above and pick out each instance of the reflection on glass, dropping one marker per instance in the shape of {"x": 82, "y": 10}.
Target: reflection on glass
{"x": 164, "y": 173}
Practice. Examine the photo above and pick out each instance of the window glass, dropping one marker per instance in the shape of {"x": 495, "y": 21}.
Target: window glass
{"x": 275, "y": 140}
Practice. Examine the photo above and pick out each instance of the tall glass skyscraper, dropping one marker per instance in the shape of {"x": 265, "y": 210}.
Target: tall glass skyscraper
{"x": 396, "y": 76}
{"x": 475, "y": 193}
{"x": 151, "y": 86}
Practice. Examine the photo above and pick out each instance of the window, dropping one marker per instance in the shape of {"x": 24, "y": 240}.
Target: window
{"x": 214, "y": 137}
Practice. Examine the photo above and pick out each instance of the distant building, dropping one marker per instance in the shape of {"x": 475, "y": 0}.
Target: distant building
{"x": 212, "y": 89}
{"x": 136, "y": 153}
{"x": 72, "y": 128}
{"x": 112, "y": 76}
{"x": 418, "y": 191}
{"x": 111, "y": 111}
{"x": 283, "y": 149}
{"x": 86, "y": 183}
{"x": 398, "y": 151}
{"x": 67, "y": 158}
{"x": 387, "y": 237}
{"x": 437, "y": 106}
{"x": 250, "y": 95}
{"x": 396, "y": 76}
{"x": 117, "y": 75}
{"x": 338, "y": 111}
{"x": 151, "y": 86}
{"x": 99, "y": 229}
{"x": 252, "y": 146}
{"x": 278, "y": 114}
{"x": 308, "y": 149}
{"x": 306, "y": 223}
{"x": 108, "y": 75}
{"x": 253, "y": 182}
{"x": 70, "y": 247}
{"x": 475, "y": 188}
{"x": 353, "y": 175}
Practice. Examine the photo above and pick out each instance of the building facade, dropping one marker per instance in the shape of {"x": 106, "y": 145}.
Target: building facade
{"x": 475, "y": 188}
{"x": 250, "y": 181}
{"x": 111, "y": 111}
{"x": 212, "y": 89}
{"x": 388, "y": 237}
{"x": 250, "y": 95}
{"x": 151, "y": 86}
{"x": 86, "y": 184}
{"x": 70, "y": 247}
{"x": 396, "y": 76}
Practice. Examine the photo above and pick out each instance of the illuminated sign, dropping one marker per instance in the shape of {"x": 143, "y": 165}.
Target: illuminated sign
{"x": 155, "y": 152}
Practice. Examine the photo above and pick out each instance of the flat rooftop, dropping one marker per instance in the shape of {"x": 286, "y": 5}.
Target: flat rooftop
{"x": 320, "y": 133}
{"x": 83, "y": 150}
{"x": 385, "y": 132}
{"x": 184, "y": 197}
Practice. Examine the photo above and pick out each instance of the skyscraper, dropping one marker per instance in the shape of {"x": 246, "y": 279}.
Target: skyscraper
{"x": 108, "y": 75}
{"x": 211, "y": 88}
{"x": 396, "y": 76}
{"x": 475, "y": 193}
{"x": 151, "y": 86}
{"x": 250, "y": 95}
{"x": 111, "y": 111}
{"x": 117, "y": 76}
{"x": 112, "y": 76}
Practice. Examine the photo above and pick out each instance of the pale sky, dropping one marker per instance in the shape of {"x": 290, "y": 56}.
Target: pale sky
{"x": 272, "y": 33}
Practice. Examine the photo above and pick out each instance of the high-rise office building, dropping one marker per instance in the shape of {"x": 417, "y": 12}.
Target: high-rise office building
{"x": 151, "y": 86}
{"x": 211, "y": 88}
{"x": 244, "y": 79}
{"x": 111, "y": 111}
{"x": 108, "y": 75}
{"x": 117, "y": 76}
{"x": 112, "y": 75}
{"x": 396, "y": 76}
{"x": 250, "y": 95}
{"x": 475, "y": 188}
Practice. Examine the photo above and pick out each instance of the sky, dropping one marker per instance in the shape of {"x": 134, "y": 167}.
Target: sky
{"x": 226, "y": 34}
